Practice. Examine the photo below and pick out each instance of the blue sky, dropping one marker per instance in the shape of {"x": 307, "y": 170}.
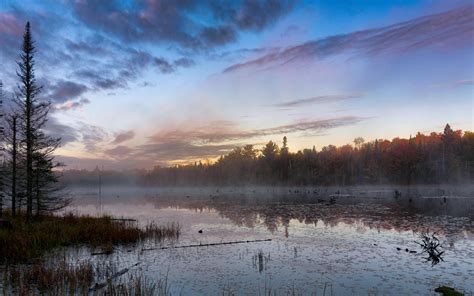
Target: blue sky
{"x": 142, "y": 83}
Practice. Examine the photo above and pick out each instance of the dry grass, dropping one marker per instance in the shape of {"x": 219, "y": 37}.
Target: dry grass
{"x": 137, "y": 285}
{"x": 25, "y": 242}
{"x": 57, "y": 278}
{"x": 60, "y": 278}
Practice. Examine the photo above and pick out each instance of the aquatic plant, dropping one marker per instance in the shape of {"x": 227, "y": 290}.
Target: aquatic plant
{"x": 260, "y": 260}
{"x": 448, "y": 291}
{"x": 431, "y": 245}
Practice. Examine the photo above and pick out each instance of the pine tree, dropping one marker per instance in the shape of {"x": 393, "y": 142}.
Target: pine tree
{"x": 2, "y": 143}
{"x": 38, "y": 147}
{"x": 12, "y": 142}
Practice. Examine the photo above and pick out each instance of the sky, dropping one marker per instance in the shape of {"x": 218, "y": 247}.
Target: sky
{"x": 135, "y": 84}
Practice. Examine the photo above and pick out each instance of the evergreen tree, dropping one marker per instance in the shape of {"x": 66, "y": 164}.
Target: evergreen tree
{"x": 38, "y": 147}
{"x": 2, "y": 147}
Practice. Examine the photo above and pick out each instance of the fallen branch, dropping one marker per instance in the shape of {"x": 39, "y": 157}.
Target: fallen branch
{"x": 102, "y": 285}
{"x": 209, "y": 245}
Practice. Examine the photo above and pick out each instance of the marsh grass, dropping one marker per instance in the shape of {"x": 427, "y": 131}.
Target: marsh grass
{"x": 260, "y": 260}
{"x": 63, "y": 277}
{"x": 25, "y": 242}
{"x": 137, "y": 285}
{"x": 48, "y": 278}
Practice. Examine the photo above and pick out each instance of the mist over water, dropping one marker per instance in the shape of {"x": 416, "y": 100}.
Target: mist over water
{"x": 338, "y": 241}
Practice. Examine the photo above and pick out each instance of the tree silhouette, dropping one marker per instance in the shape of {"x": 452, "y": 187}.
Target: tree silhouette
{"x": 37, "y": 147}
{"x": 416, "y": 160}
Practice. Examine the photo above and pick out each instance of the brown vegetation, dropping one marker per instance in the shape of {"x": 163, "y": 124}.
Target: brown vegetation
{"x": 25, "y": 241}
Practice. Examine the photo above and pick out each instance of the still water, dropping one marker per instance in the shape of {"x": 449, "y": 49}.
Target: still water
{"x": 322, "y": 241}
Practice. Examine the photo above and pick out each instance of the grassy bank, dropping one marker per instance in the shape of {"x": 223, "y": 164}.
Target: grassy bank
{"x": 24, "y": 242}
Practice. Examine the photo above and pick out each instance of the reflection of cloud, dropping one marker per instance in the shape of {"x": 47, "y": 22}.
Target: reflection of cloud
{"x": 317, "y": 100}
{"x": 443, "y": 29}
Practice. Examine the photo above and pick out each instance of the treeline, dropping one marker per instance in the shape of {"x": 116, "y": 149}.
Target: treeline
{"x": 28, "y": 181}
{"x": 446, "y": 157}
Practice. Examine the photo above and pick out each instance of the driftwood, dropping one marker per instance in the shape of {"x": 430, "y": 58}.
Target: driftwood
{"x": 99, "y": 286}
{"x": 101, "y": 253}
{"x": 209, "y": 245}
{"x": 124, "y": 220}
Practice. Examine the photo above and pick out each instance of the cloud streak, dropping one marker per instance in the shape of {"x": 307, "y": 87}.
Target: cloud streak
{"x": 123, "y": 137}
{"x": 217, "y": 134}
{"x": 451, "y": 28}
{"x": 317, "y": 100}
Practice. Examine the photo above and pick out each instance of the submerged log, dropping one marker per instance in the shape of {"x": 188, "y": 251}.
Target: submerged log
{"x": 209, "y": 244}
{"x": 124, "y": 220}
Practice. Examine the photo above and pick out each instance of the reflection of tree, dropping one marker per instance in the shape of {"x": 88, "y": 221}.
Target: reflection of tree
{"x": 452, "y": 219}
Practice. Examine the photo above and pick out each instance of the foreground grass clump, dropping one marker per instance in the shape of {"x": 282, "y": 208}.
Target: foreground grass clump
{"x": 137, "y": 284}
{"x": 23, "y": 242}
{"x": 60, "y": 278}
{"x": 65, "y": 277}
{"x": 448, "y": 291}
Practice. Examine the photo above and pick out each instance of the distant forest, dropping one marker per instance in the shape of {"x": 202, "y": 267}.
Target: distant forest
{"x": 446, "y": 157}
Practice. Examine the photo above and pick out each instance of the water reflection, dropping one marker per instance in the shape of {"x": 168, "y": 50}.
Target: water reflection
{"x": 452, "y": 218}
{"x": 357, "y": 244}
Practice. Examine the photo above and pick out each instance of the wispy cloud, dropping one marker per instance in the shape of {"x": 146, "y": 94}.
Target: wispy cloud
{"x": 218, "y": 134}
{"x": 452, "y": 28}
{"x": 123, "y": 137}
{"x": 317, "y": 100}
{"x": 71, "y": 105}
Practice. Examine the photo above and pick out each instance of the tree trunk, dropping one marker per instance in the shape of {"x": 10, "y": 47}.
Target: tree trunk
{"x": 14, "y": 156}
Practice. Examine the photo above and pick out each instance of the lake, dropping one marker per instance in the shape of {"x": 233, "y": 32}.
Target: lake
{"x": 316, "y": 241}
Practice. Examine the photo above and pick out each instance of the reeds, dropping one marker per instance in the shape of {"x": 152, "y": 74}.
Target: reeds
{"x": 137, "y": 285}
{"x": 53, "y": 278}
{"x": 65, "y": 278}
{"x": 260, "y": 260}
{"x": 24, "y": 242}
